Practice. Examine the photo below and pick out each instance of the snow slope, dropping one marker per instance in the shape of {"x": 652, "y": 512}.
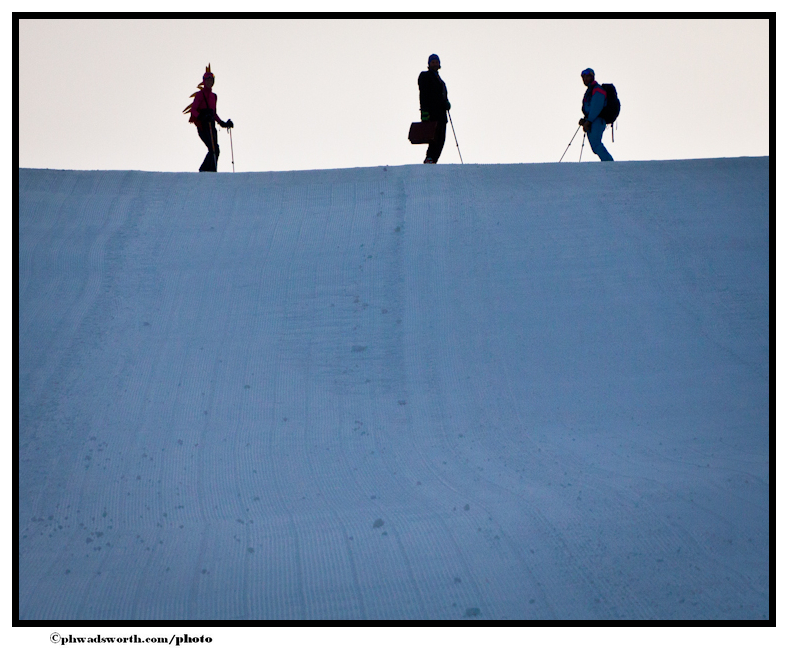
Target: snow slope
{"x": 422, "y": 392}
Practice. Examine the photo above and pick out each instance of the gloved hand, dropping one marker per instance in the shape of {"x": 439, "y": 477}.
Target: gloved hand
{"x": 228, "y": 124}
{"x": 586, "y": 126}
{"x": 425, "y": 116}
{"x": 448, "y": 105}
{"x": 582, "y": 121}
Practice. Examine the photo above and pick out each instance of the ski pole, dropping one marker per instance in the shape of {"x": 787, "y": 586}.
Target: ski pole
{"x": 581, "y": 148}
{"x": 570, "y": 144}
{"x": 232, "y": 154}
{"x": 455, "y": 136}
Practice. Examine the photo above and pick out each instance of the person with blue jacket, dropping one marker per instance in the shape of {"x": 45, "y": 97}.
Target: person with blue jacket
{"x": 593, "y": 102}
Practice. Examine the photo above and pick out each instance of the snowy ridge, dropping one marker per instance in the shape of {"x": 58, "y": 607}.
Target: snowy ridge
{"x": 455, "y": 392}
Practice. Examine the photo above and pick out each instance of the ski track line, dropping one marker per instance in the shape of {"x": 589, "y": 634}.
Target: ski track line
{"x": 570, "y": 456}
{"x": 449, "y": 594}
{"x": 322, "y": 569}
{"x": 222, "y": 500}
{"x": 337, "y": 486}
{"x": 278, "y": 598}
{"x": 374, "y": 295}
{"x": 252, "y": 422}
{"x": 89, "y": 302}
{"x": 496, "y": 389}
{"x": 78, "y": 274}
{"x": 432, "y": 523}
{"x": 453, "y": 490}
{"x": 384, "y": 485}
{"x": 368, "y": 570}
{"x": 495, "y": 399}
{"x": 579, "y": 563}
{"x": 201, "y": 316}
{"x": 290, "y": 596}
{"x": 474, "y": 408}
{"x": 41, "y": 241}
{"x": 425, "y": 227}
{"x": 76, "y": 510}
{"x": 44, "y": 196}
{"x": 367, "y": 552}
{"x": 222, "y": 437}
{"x": 436, "y": 303}
{"x": 61, "y": 351}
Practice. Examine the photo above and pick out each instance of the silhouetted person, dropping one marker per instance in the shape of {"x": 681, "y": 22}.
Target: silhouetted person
{"x": 203, "y": 115}
{"x": 593, "y": 102}
{"x": 434, "y": 103}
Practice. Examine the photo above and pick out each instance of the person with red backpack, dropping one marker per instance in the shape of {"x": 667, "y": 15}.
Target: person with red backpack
{"x": 593, "y": 122}
{"x": 202, "y": 113}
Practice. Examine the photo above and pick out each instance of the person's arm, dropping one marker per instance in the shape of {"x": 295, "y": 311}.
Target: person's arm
{"x": 424, "y": 101}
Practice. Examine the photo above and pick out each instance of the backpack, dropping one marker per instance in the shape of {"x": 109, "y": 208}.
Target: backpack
{"x": 613, "y": 106}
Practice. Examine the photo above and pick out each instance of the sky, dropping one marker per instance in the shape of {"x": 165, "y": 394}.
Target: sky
{"x": 322, "y": 94}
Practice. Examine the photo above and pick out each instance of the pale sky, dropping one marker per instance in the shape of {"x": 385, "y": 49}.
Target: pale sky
{"x": 317, "y": 94}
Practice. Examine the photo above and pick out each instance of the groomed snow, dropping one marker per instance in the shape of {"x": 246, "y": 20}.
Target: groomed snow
{"x": 421, "y": 392}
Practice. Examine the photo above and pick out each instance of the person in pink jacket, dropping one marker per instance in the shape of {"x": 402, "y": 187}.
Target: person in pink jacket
{"x": 203, "y": 115}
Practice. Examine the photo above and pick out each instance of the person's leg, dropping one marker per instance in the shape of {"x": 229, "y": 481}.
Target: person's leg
{"x": 595, "y": 140}
{"x": 212, "y": 157}
{"x": 436, "y": 146}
